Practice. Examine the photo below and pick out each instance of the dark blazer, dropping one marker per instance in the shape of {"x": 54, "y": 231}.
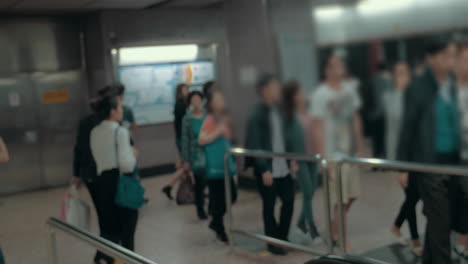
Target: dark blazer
{"x": 84, "y": 165}
{"x": 259, "y": 137}
{"x": 417, "y": 137}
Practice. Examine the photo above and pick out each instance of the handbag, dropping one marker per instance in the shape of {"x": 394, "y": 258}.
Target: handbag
{"x": 130, "y": 192}
{"x": 186, "y": 192}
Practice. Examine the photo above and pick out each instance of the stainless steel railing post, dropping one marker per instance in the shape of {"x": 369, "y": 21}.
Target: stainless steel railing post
{"x": 328, "y": 205}
{"x": 341, "y": 215}
{"x": 227, "y": 186}
{"x": 53, "y": 258}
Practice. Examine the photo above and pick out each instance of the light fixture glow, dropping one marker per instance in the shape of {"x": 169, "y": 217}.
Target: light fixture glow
{"x": 328, "y": 12}
{"x": 378, "y": 7}
{"x": 158, "y": 54}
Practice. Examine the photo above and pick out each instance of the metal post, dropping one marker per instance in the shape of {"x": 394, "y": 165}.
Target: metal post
{"x": 227, "y": 186}
{"x": 328, "y": 205}
{"x": 53, "y": 259}
{"x": 341, "y": 220}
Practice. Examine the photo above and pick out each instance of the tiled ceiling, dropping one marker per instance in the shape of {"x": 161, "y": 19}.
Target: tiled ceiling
{"x": 19, "y": 5}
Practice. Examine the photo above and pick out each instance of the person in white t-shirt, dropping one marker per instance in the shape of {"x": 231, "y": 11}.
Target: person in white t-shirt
{"x": 335, "y": 112}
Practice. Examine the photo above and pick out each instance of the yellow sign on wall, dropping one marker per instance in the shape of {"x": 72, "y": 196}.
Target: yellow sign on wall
{"x": 55, "y": 96}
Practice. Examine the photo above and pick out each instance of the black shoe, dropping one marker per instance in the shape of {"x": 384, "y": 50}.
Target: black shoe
{"x": 167, "y": 190}
{"x": 202, "y": 215}
{"x": 222, "y": 236}
{"x": 277, "y": 251}
{"x": 213, "y": 227}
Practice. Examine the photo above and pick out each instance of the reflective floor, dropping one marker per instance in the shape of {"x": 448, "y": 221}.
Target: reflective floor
{"x": 169, "y": 234}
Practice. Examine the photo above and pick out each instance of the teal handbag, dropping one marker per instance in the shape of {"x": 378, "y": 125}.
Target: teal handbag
{"x": 130, "y": 192}
{"x": 215, "y": 152}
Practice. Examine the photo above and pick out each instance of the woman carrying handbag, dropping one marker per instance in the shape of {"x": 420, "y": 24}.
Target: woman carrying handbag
{"x": 115, "y": 161}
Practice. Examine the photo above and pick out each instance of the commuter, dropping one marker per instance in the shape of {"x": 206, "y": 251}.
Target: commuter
{"x": 180, "y": 108}
{"x": 335, "y": 112}
{"x": 266, "y": 132}
{"x": 459, "y": 194}
{"x": 84, "y": 166}
{"x": 215, "y": 136}
{"x": 430, "y": 133}
{"x": 128, "y": 120}
{"x": 393, "y": 107}
{"x": 381, "y": 83}
{"x": 208, "y": 87}
{"x": 296, "y": 142}
{"x": 4, "y": 158}
{"x": 113, "y": 154}
{"x": 193, "y": 155}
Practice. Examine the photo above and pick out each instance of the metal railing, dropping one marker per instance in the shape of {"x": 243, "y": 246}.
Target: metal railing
{"x": 387, "y": 165}
{"x": 270, "y": 240}
{"x": 123, "y": 255}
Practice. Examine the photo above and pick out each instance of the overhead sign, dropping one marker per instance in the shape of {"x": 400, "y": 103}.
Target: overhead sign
{"x": 55, "y": 96}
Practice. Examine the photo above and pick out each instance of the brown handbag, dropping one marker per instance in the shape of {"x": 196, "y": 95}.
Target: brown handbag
{"x": 186, "y": 191}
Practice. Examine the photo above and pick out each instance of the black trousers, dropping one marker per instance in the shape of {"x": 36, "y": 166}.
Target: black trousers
{"x": 459, "y": 204}
{"x": 218, "y": 202}
{"x": 117, "y": 224}
{"x": 200, "y": 185}
{"x": 378, "y": 137}
{"x": 434, "y": 191}
{"x": 284, "y": 189}
{"x": 408, "y": 208}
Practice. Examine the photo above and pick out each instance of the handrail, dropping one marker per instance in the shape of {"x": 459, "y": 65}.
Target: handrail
{"x": 407, "y": 166}
{"x": 267, "y": 154}
{"x": 124, "y": 255}
{"x": 427, "y": 168}
{"x": 289, "y": 156}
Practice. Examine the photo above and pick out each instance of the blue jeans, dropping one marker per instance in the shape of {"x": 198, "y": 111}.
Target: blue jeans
{"x": 308, "y": 181}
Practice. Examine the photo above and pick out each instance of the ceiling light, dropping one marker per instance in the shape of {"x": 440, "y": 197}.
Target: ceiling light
{"x": 328, "y": 12}
{"x": 158, "y": 54}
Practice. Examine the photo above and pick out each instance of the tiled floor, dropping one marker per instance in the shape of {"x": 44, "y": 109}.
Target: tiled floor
{"x": 170, "y": 234}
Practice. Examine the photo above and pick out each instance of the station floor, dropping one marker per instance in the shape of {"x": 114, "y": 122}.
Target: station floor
{"x": 171, "y": 234}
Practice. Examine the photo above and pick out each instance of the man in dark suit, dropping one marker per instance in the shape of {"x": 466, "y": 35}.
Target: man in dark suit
{"x": 84, "y": 167}
{"x": 266, "y": 132}
{"x": 430, "y": 134}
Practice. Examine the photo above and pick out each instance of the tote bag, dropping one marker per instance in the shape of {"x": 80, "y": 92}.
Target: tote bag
{"x": 75, "y": 211}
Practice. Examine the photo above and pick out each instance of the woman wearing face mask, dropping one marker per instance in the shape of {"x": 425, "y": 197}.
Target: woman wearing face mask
{"x": 215, "y": 136}
{"x": 393, "y": 108}
{"x": 114, "y": 155}
{"x": 193, "y": 155}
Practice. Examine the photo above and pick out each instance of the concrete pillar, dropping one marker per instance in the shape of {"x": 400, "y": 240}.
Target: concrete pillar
{"x": 251, "y": 53}
{"x": 293, "y": 29}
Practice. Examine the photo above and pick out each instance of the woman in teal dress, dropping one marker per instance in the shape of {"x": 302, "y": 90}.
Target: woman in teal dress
{"x": 297, "y": 143}
{"x": 193, "y": 155}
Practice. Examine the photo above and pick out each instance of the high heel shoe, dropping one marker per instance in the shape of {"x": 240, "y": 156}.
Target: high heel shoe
{"x": 167, "y": 190}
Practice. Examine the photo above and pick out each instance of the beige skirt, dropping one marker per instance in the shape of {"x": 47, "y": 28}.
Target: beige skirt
{"x": 351, "y": 184}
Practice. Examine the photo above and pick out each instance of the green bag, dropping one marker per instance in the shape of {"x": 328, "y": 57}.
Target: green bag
{"x": 130, "y": 193}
